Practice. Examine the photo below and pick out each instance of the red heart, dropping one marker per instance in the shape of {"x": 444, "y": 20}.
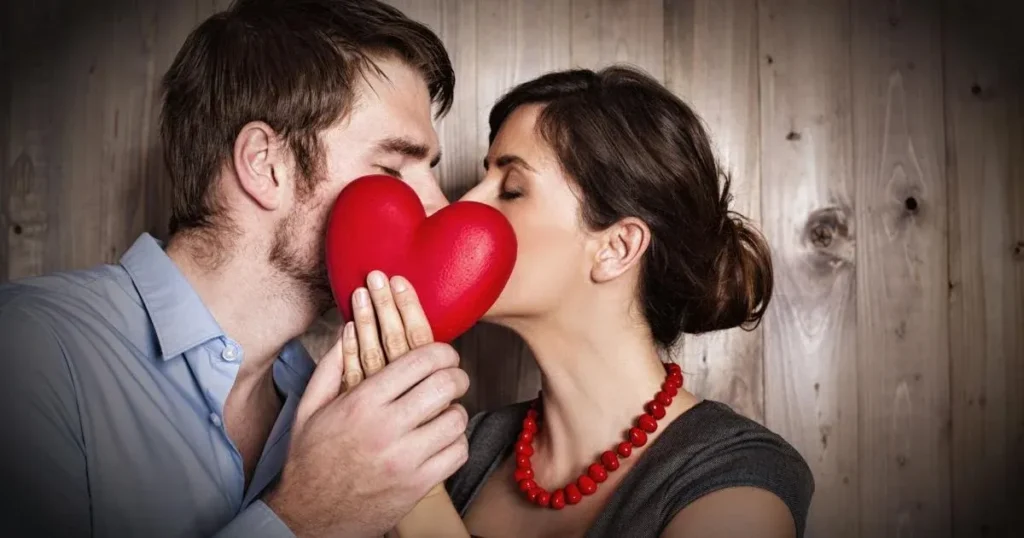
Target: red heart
{"x": 458, "y": 260}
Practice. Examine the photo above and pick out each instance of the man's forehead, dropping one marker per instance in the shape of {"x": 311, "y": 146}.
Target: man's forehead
{"x": 397, "y": 108}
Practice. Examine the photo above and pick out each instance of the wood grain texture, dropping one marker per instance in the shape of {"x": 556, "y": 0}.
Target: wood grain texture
{"x": 984, "y": 94}
{"x": 516, "y": 41}
{"x": 903, "y": 369}
{"x": 6, "y": 74}
{"x": 877, "y": 143}
{"x": 31, "y": 171}
{"x": 619, "y": 31}
{"x": 807, "y": 193}
{"x": 711, "y": 62}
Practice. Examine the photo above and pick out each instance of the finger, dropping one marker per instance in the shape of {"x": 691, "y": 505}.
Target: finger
{"x": 429, "y": 397}
{"x": 417, "y": 328}
{"x": 370, "y": 354}
{"x": 433, "y": 436}
{"x": 405, "y": 372}
{"x": 392, "y": 332}
{"x": 351, "y": 367}
{"x": 442, "y": 465}
{"x": 323, "y": 387}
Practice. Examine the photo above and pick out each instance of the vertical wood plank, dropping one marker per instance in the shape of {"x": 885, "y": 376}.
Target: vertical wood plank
{"x": 7, "y": 11}
{"x": 619, "y": 31}
{"x": 711, "y": 62}
{"x": 807, "y": 192}
{"x": 77, "y": 134}
{"x": 901, "y": 215}
{"x": 516, "y": 41}
{"x": 170, "y": 23}
{"x": 33, "y": 108}
{"x": 984, "y": 94}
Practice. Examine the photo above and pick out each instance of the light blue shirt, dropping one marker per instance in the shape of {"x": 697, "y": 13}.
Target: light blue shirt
{"x": 114, "y": 383}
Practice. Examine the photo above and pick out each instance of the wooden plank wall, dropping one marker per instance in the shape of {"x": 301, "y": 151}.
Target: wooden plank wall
{"x": 878, "y": 144}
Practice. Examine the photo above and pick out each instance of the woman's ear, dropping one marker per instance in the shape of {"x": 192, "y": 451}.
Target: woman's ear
{"x": 260, "y": 166}
{"x": 622, "y": 246}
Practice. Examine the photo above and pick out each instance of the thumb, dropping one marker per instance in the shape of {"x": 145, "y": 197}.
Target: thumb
{"x": 324, "y": 386}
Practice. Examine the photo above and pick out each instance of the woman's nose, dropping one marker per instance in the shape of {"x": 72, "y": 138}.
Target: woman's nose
{"x": 477, "y": 194}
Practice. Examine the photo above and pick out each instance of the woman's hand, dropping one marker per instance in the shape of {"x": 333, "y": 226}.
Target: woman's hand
{"x": 393, "y": 309}
{"x": 388, "y": 321}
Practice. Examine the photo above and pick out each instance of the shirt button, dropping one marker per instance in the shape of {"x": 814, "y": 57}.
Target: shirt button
{"x": 229, "y": 354}
{"x": 215, "y": 419}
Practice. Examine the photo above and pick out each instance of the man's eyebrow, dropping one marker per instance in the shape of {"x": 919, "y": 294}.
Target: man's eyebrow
{"x": 506, "y": 160}
{"x": 409, "y": 148}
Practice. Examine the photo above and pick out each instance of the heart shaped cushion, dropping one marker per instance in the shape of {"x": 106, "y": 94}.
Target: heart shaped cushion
{"x": 458, "y": 260}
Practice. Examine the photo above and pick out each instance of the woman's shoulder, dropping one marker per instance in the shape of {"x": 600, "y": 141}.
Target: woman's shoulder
{"x": 712, "y": 447}
{"x": 490, "y": 435}
{"x": 714, "y": 436}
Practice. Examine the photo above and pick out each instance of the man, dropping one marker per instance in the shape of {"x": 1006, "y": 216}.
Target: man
{"x": 159, "y": 396}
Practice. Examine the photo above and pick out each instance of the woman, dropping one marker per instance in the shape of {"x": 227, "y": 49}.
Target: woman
{"x": 626, "y": 241}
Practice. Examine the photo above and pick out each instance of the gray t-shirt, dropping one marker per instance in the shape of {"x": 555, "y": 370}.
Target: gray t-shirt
{"x": 707, "y": 448}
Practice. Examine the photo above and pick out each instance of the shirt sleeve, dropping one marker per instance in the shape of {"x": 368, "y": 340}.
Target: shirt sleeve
{"x": 42, "y": 459}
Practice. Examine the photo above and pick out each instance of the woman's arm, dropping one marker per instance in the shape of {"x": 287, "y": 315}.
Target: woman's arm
{"x": 735, "y": 511}
{"x": 434, "y": 516}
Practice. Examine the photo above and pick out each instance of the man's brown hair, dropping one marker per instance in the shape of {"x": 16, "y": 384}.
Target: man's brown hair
{"x": 290, "y": 63}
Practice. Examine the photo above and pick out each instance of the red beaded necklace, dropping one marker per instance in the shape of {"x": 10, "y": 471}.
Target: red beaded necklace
{"x": 598, "y": 471}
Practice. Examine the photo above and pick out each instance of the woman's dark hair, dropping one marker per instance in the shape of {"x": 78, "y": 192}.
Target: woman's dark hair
{"x": 634, "y": 149}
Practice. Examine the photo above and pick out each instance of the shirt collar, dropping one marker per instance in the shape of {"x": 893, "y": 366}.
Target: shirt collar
{"x": 179, "y": 317}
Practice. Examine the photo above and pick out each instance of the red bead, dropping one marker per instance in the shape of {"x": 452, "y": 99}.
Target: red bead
{"x": 673, "y": 367}
{"x": 655, "y": 408}
{"x": 625, "y": 449}
{"x": 647, "y": 423}
{"x": 529, "y": 425}
{"x": 587, "y": 484}
{"x": 524, "y": 449}
{"x": 558, "y": 499}
{"x": 543, "y": 498}
{"x": 526, "y": 437}
{"x": 610, "y": 460}
{"x": 522, "y": 474}
{"x": 572, "y": 494}
{"x": 663, "y": 399}
{"x": 526, "y": 485}
{"x": 637, "y": 437}
{"x": 676, "y": 380}
{"x": 532, "y": 413}
{"x": 532, "y": 494}
{"x": 670, "y": 389}
{"x": 523, "y": 462}
{"x": 598, "y": 472}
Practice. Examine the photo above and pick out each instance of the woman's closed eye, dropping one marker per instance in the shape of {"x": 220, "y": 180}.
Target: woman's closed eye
{"x": 511, "y": 186}
{"x": 509, "y": 194}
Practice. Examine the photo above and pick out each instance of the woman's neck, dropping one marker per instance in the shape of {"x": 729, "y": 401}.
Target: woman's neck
{"x": 596, "y": 381}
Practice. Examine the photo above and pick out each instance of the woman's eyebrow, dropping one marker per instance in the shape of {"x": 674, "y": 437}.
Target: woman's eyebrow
{"x": 506, "y": 160}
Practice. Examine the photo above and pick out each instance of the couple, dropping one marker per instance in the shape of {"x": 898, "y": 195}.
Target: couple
{"x": 167, "y": 395}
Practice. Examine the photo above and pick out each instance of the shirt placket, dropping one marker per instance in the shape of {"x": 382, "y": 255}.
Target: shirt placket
{"x": 215, "y": 367}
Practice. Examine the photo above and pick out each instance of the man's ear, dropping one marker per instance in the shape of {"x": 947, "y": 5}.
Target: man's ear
{"x": 260, "y": 165}
{"x": 622, "y": 247}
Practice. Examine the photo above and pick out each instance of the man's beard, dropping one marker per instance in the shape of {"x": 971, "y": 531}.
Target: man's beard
{"x": 307, "y": 269}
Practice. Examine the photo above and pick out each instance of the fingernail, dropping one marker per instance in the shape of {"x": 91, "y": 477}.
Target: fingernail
{"x": 350, "y": 330}
{"x": 376, "y": 280}
{"x": 398, "y": 284}
{"x": 362, "y": 297}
